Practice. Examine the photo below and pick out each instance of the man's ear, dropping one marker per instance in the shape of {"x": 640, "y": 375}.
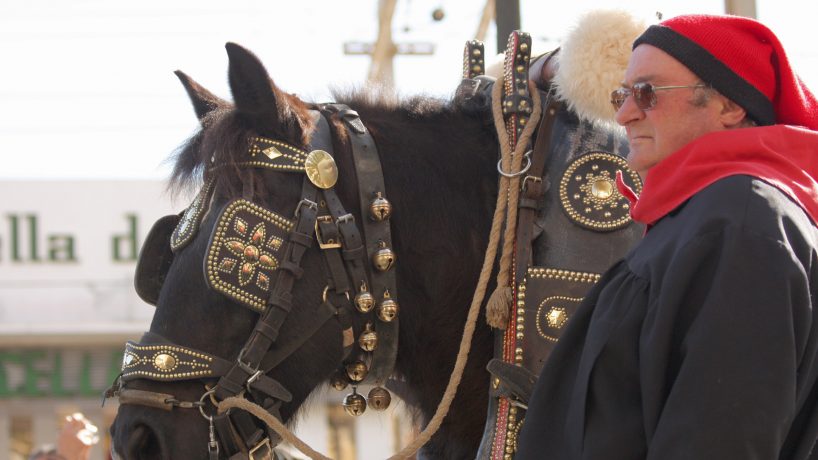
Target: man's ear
{"x": 732, "y": 114}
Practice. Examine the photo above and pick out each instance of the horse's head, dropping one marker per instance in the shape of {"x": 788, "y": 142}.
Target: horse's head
{"x": 241, "y": 252}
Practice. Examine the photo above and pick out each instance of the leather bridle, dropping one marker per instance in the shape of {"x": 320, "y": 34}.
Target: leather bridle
{"x": 360, "y": 268}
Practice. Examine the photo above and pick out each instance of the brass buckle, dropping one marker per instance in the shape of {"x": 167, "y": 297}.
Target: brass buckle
{"x": 330, "y": 244}
{"x": 263, "y": 449}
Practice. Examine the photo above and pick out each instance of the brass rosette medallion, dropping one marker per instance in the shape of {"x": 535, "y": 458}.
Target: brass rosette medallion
{"x": 589, "y": 195}
{"x": 321, "y": 169}
{"x": 244, "y": 251}
{"x": 164, "y": 362}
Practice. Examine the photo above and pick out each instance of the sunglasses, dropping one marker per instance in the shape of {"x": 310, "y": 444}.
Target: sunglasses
{"x": 644, "y": 94}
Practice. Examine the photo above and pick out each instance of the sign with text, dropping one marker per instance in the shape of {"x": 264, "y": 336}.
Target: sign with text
{"x": 39, "y": 372}
{"x": 68, "y": 250}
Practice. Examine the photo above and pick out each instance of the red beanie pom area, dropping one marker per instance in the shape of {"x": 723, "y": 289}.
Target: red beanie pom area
{"x": 743, "y": 60}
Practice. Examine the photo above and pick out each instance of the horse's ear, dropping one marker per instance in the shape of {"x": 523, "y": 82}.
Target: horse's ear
{"x": 253, "y": 90}
{"x": 203, "y": 100}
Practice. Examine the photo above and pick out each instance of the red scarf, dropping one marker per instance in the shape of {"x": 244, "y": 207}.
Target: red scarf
{"x": 785, "y": 157}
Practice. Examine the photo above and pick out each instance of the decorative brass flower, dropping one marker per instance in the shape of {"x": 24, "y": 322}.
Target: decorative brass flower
{"x": 251, "y": 254}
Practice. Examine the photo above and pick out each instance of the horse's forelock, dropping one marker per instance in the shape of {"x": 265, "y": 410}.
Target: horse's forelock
{"x": 224, "y": 136}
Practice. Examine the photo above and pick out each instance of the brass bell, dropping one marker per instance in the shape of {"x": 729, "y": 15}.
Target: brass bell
{"x": 364, "y": 301}
{"x": 354, "y": 404}
{"x": 368, "y": 339}
{"x": 380, "y": 209}
{"x": 357, "y": 371}
{"x": 384, "y": 258}
{"x": 388, "y": 309}
{"x": 339, "y": 381}
{"x": 379, "y": 398}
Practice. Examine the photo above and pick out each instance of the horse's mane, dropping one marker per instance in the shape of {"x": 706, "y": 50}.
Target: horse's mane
{"x": 222, "y": 133}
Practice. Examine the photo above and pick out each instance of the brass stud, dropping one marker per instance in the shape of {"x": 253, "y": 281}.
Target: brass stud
{"x": 164, "y": 362}
{"x": 321, "y": 169}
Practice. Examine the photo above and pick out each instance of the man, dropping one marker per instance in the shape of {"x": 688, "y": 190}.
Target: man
{"x": 702, "y": 343}
{"x": 74, "y": 442}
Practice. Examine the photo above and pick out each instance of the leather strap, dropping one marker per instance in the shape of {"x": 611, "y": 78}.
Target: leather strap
{"x": 145, "y": 398}
{"x": 533, "y": 188}
{"x": 369, "y": 176}
{"x": 515, "y": 381}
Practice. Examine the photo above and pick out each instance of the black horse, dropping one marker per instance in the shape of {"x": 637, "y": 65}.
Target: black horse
{"x": 439, "y": 162}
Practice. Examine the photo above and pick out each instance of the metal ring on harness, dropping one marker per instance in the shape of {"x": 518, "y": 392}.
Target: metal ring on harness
{"x": 202, "y": 401}
{"x": 525, "y": 169}
{"x": 326, "y": 290}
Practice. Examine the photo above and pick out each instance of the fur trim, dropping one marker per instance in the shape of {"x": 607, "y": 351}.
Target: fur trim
{"x": 592, "y": 62}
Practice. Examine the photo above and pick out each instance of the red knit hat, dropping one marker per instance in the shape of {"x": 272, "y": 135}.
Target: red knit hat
{"x": 743, "y": 60}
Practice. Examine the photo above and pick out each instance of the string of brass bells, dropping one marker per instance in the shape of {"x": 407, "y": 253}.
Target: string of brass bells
{"x": 354, "y": 372}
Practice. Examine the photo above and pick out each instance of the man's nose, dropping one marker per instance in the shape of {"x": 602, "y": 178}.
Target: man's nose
{"x": 628, "y": 112}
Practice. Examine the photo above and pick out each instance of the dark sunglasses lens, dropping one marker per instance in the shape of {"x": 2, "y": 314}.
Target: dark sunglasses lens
{"x": 644, "y": 96}
{"x": 618, "y": 98}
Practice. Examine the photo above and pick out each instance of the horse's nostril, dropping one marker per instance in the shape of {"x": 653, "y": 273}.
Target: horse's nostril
{"x": 142, "y": 444}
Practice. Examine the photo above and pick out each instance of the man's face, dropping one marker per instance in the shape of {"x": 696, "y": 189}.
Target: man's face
{"x": 674, "y": 121}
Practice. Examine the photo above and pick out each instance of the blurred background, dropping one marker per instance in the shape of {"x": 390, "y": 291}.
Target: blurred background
{"x": 91, "y": 111}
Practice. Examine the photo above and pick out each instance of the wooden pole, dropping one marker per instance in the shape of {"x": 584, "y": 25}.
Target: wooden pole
{"x": 507, "y": 16}
{"x": 380, "y": 70}
{"x": 746, "y": 8}
{"x": 485, "y": 20}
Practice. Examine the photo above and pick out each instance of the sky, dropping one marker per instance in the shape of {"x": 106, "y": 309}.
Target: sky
{"x": 87, "y": 89}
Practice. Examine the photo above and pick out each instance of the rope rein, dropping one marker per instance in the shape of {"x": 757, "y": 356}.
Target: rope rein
{"x": 507, "y": 196}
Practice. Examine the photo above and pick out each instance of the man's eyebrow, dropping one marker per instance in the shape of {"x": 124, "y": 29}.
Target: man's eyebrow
{"x": 642, "y": 79}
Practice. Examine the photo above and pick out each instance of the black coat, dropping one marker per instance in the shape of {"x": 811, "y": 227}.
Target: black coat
{"x": 700, "y": 344}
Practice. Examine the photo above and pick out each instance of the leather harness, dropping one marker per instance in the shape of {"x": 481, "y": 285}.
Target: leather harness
{"x": 319, "y": 216}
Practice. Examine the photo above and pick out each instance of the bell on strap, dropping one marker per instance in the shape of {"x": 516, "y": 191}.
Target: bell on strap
{"x": 368, "y": 339}
{"x": 354, "y": 404}
{"x": 388, "y": 308}
{"x": 339, "y": 380}
{"x": 357, "y": 371}
{"x": 379, "y": 398}
{"x": 384, "y": 257}
{"x": 380, "y": 209}
{"x": 364, "y": 300}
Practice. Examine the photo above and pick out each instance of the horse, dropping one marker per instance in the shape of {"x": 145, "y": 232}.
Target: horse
{"x": 439, "y": 167}
{"x": 438, "y": 162}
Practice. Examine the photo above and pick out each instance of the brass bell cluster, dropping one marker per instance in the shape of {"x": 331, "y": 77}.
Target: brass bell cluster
{"x": 354, "y": 372}
{"x": 355, "y": 404}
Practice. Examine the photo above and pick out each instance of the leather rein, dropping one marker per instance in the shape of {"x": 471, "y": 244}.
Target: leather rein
{"x": 360, "y": 270}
